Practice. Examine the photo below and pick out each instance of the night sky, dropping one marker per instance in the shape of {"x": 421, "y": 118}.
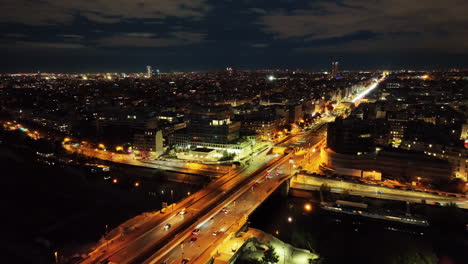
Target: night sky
{"x": 198, "y": 35}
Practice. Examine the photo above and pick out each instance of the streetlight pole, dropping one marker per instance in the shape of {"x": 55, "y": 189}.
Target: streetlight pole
{"x": 56, "y": 257}
{"x": 105, "y": 236}
{"x": 284, "y": 254}
{"x": 172, "y": 200}
{"x": 182, "y": 249}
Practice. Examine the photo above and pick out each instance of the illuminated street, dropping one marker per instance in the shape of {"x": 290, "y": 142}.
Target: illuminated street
{"x": 234, "y": 132}
{"x": 312, "y": 183}
{"x": 306, "y": 147}
{"x": 226, "y": 224}
{"x": 149, "y": 234}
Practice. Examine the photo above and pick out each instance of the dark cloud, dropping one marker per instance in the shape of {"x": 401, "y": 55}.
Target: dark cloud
{"x": 46, "y": 12}
{"x": 425, "y": 20}
{"x": 36, "y": 45}
{"x": 139, "y": 39}
{"x": 259, "y": 45}
{"x": 180, "y": 34}
{"x": 14, "y": 35}
{"x": 140, "y": 35}
{"x": 70, "y": 36}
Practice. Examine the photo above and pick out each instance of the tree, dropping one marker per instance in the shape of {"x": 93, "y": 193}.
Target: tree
{"x": 325, "y": 188}
{"x": 415, "y": 254}
{"x": 325, "y": 192}
{"x": 300, "y": 238}
{"x": 316, "y": 261}
{"x": 227, "y": 156}
{"x": 270, "y": 255}
{"x": 345, "y": 194}
{"x": 248, "y": 261}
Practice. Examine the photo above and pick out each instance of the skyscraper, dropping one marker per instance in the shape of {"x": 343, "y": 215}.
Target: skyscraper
{"x": 149, "y": 71}
{"x": 334, "y": 71}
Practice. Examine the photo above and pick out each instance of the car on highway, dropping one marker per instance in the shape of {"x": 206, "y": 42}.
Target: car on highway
{"x": 214, "y": 233}
{"x": 184, "y": 261}
{"x": 193, "y": 239}
{"x": 224, "y": 210}
{"x": 255, "y": 184}
{"x": 196, "y": 231}
{"x": 183, "y": 211}
{"x": 167, "y": 226}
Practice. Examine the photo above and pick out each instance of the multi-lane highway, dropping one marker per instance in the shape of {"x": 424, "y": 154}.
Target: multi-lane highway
{"x": 304, "y": 182}
{"x": 224, "y": 221}
{"x": 179, "y": 166}
{"x": 215, "y": 213}
{"x": 155, "y": 234}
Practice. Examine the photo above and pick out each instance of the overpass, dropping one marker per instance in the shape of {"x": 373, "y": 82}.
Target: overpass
{"x": 216, "y": 212}
{"x": 305, "y": 182}
{"x": 145, "y": 234}
{"x": 221, "y": 208}
{"x": 184, "y": 167}
{"x": 238, "y": 193}
{"x": 227, "y": 218}
{"x": 223, "y": 221}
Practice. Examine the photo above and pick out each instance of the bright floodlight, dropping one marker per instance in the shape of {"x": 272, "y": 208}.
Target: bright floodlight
{"x": 271, "y": 78}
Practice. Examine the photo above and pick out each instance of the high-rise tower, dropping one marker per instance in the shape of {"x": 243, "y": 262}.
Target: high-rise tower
{"x": 334, "y": 71}
{"x": 149, "y": 72}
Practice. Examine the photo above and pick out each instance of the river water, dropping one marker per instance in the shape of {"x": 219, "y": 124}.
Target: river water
{"x": 342, "y": 238}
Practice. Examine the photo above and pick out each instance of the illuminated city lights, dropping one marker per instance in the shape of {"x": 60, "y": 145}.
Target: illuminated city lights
{"x": 365, "y": 92}
{"x": 180, "y": 132}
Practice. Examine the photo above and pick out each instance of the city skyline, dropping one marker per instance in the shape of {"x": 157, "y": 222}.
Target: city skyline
{"x": 238, "y": 131}
{"x": 70, "y": 36}
{"x": 196, "y": 158}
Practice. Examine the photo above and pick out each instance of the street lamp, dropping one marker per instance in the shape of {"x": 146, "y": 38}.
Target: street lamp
{"x": 284, "y": 254}
{"x": 56, "y": 256}
{"x": 290, "y": 219}
{"x": 172, "y": 200}
{"x": 182, "y": 249}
